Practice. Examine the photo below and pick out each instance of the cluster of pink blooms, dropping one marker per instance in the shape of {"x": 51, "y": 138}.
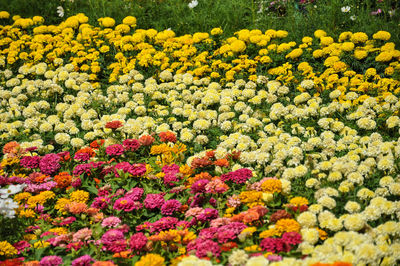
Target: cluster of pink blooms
{"x": 283, "y": 244}
{"x": 239, "y": 176}
{"x": 49, "y": 164}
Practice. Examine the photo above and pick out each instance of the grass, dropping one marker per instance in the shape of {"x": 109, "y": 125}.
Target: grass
{"x": 231, "y": 16}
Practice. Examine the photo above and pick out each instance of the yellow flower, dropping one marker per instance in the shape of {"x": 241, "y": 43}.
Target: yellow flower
{"x": 216, "y": 31}
{"x": 270, "y": 233}
{"x": 130, "y": 21}
{"x": 79, "y": 196}
{"x": 360, "y": 54}
{"x": 107, "y": 22}
{"x": 151, "y": 260}
{"x": 160, "y": 149}
{"x": 238, "y": 46}
{"x": 272, "y": 185}
{"x": 384, "y": 57}
{"x": 381, "y": 35}
{"x": 7, "y": 250}
{"x": 4, "y": 15}
{"x": 61, "y": 203}
{"x": 253, "y": 248}
{"x": 41, "y": 244}
{"x": 287, "y": 225}
{"x": 27, "y": 213}
{"x": 319, "y": 34}
{"x": 23, "y": 196}
{"x": 298, "y": 201}
{"x": 59, "y": 230}
{"x": 359, "y": 37}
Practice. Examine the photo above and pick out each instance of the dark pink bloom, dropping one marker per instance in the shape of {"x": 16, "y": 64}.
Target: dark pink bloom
{"x": 173, "y": 168}
{"x": 51, "y": 261}
{"x": 131, "y": 144}
{"x": 204, "y": 247}
{"x": 170, "y": 206}
{"x": 84, "y": 260}
{"x": 82, "y": 156}
{"x": 49, "y": 164}
{"x": 126, "y": 204}
{"x": 208, "y": 214}
{"x": 100, "y": 202}
{"x": 135, "y": 194}
{"x": 292, "y": 238}
{"x": 30, "y": 161}
{"x": 154, "y": 201}
{"x": 239, "y": 176}
{"x": 199, "y": 186}
{"x": 138, "y": 241}
{"x": 115, "y": 150}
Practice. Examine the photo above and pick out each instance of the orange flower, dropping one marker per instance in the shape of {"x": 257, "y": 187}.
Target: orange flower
{"x": 322, "y": 234}
{"x": 31, "y": 263}
{"x": 63, "y": 179}
{"x": 287, "y": 225}
{"x": 146, "y": 140}
{"x": 167, "y": 136}
{"x": 11, "y": 147}
{"x": 76, "y": 207}
{"x": 251, "y": 216}
{"x": 97, "y": 143}
{"x": 103, "y": 263}
{"x": 222, "y": 163}
{"x": 87, "y": 150}
{"x": 210, "y": 154}
{"x": 272, "y": 185}
{"x": 123, "y": 254}
{"x": 114, "y": 124}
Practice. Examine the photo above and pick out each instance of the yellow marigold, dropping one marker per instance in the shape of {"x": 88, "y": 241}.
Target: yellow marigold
{"x": 250, "y": 196}
{"x": 270, "y": 233}
{"x": 298, "y": 201}
{"x": 359, "y": 37}
{"x": 79, "y": 196}
{"x": 150, "y": 259}
{"x": 287, "y": 225}
{"x": 295, "y": 53}
{"x": 281, "y": 34}
{"x": 381, "y": 35}
{"x": 129, "y": 20}
{"x": 4, "y": 15}
{"x": 238, "y": 46}
{"x": 318, "y": 53}
{"x": 347, "y": 46}
{"x": 384, "y": 57}
{"x": 319, "y": 34}
{"x": 360, "y": 54}
{"x": 345, "y": 36}
{"x": 272, "y": 185}
{"x": 159, "y": 149}
{"x": 179, "y": 148}
{"x": 7, "y": 250}
{"x": 186, "y": 170}
{"x": 325, "y": 41}
{"x": 23, "y": 196}
{"x": 59, "y": 230}
{"x": 249, "y": 230}
{"x": 41, "y": 244}
{"x": 216, "y": 31}
{"x": 27, "y": 213}
{"x": 107, "y": 22}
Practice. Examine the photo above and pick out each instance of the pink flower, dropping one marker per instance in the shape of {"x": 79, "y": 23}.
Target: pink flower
{"x": 30, "y": 161}
{"x": 292, "y": 238}
{"x": 49, "y": 164}
{"x": 84, "y": 260}
{"x": 204, "y": 247}
{"x": 138, "y": 241}
{"x": 170, "y": 206}
{"x": 51, "y": 261}
{"x": 83, "y": 234}
{"x": 131, "y": 144}
{"x": 239, "y": 176}
{"x": 115, "y": 150}
{"x": 126, "y": 204}
{"x": 154, "y": 201}
{"x": 111, "y": 221}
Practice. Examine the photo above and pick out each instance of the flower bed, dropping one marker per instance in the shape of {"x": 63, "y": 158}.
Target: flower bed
{"x": 136, "y": 146}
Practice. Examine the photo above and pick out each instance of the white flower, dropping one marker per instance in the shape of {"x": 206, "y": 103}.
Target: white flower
{"x": 353, "y": 17}
{"x": 345, "y": 9}
{"x": 193, "y": 4}
{"x": 60, "y": 11}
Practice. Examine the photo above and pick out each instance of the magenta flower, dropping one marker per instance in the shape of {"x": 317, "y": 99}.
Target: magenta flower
{"x": 154, "y": 201}
{"x": 170, "y": 206}
{"x": 239, "y": 176}
{"x": 291, "y": 238}
{"x": 126, "y": 204}
{"x": 199, "y": 186}
{"x": 204, "y": 247}
{"x": 100, "y": 202}
{"x": 131, "y": 144}
{"x": 51, "y": 261}
{"x": 208, "y": 214}
{"x": 82, "y": 156}
{"x": 49, "y": 164}
{"x": 135, "y": 194}
{"x": 138, "y": 241}
{"x": 84, "y": 260}
{"x": 30, "y": 162}
{"x": 115, "y": 150}
{"x": 173, "y": 168}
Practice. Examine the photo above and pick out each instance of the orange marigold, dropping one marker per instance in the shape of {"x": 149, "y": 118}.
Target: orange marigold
{"x": 11, "y": 147}
{"x": 298, "y": 201}
{"x": 272, "y": 185}
{"x": 146, "y": 140}
{"x": 287, "y": 225}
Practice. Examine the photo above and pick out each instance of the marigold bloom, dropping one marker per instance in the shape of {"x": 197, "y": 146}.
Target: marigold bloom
{"x": 63, "y": 179}
{"x": 114, "y": 124}
{"x": 146, "y": 140}
{"x": 272, "y": 185}
{"x": 287, "y": 225}
{"x": 151, "y": 259}
{"x": 167, "y": 136}
{"x": 7, "y": 250}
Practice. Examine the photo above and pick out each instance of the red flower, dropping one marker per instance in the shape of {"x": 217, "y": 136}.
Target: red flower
{"x": 97, "y": 143}
{"x": 114, "y": 124}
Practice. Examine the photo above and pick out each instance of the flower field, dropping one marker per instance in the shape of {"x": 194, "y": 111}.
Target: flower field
{"x": 125, "y": 146}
